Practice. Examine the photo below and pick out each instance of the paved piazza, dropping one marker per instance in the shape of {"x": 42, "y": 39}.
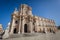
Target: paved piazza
{"x": 37, "y": 36}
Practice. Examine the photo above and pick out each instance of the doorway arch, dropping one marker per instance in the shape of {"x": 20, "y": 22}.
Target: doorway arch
{"x": 25, "y": 28}
{"x": 15, "y": 31}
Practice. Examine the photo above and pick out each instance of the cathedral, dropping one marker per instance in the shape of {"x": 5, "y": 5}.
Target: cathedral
{"x": 23, "y": 21}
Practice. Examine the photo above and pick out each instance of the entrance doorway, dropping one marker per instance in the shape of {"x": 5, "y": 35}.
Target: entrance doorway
{"x": 15, "y": 31}
{"x": 25, "y": 28}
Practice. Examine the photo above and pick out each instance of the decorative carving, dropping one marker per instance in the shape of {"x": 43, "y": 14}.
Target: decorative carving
{"x": 34, "y": 22}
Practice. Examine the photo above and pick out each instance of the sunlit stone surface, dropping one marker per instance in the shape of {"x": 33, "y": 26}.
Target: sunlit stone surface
{"x": 1, "y": 29}
{"x": 29, "y": 27}
{"x": 38, "y": 36}
{"x": 23, "y": 21}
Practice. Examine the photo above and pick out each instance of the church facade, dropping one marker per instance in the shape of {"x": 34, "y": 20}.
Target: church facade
{"x": 23, "y": 21}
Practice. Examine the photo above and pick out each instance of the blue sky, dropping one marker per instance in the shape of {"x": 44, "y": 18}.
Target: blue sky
{"x": 45, "y": 8}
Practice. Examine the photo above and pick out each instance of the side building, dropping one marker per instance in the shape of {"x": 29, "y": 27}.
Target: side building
{"x": 1, "y": 29}
{"x": 23, "y": 21}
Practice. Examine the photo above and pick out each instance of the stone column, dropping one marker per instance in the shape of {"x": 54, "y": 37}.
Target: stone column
{"x": 19, "y": 25}
{"x": 45, "y": 29}
{"x": 30, "y": 25}
{"x": 12, "y": 25}
{"x": 36, "y": 26}
{"x": 22, "y": 25}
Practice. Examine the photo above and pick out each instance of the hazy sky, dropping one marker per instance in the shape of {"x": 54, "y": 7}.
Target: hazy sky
{"x": 45, "y": 8}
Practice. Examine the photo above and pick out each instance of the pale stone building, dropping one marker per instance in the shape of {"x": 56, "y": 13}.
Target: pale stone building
{"x": 1, "y": 29}
{"x": 23, "y": 21}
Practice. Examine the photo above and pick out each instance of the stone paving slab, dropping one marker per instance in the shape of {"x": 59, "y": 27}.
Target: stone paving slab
{"x": 40, "y": 36}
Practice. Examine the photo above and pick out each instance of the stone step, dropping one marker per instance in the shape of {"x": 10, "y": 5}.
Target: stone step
{"x": 23, "y": 35}
{"x": 32, "y": 36}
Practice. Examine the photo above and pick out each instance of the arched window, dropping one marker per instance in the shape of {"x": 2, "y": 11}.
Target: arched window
{"x": 16, "y": 22}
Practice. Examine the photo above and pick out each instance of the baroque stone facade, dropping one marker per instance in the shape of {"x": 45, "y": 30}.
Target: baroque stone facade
{"x": 23, "y": 21}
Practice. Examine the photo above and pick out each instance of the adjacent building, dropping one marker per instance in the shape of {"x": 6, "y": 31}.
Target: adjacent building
{"x": 1, "y": 29}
